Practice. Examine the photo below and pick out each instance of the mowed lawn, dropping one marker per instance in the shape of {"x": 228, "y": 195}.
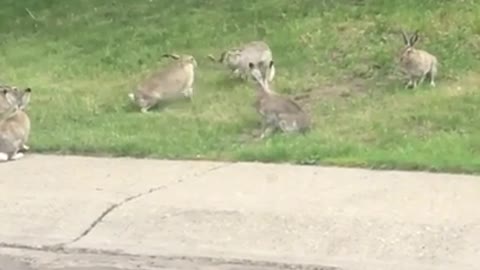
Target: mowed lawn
{"x": 82, "y": 58}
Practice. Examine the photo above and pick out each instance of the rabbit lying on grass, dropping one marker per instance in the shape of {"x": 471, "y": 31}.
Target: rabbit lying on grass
{"x": 172, "y": 81}
{"x": 278, "y": 111}
{"x": 14, "y": 122}
{"x": 417, "y": 63}
{"x": 238, "y": 59}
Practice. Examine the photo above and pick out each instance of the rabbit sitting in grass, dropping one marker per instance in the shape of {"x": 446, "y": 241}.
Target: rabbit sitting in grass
{"x": 237, "y": 59}
{"x": 279, "y": 112}
{"x": 417, "y": 63}
{"x": 172, "y": 81}
{"x": 14, "y": 122}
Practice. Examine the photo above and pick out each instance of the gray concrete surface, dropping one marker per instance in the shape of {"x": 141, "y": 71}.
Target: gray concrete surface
{"x": 58, "y": 212}
{"x": 9, "y": 263}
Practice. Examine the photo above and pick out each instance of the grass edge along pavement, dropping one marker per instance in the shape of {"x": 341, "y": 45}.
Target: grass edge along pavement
{"x": 82, "y": 59}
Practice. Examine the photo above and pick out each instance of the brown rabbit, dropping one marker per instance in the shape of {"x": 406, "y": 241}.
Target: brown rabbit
{"x": 14, "y": 125}
{"x": 174, "y": 80}
{"x": 417, "y": 63}
{"x": 278, "y": 111}
{"x": 15, "y": 93}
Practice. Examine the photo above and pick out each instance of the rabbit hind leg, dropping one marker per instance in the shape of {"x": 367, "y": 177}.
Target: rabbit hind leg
{"x": 411, "y": 82}
{"x": 268, "y": 127}
{"x": 431, "y": 75}
{"x": 4, "y": 157}
{"x": 17, "y": 156}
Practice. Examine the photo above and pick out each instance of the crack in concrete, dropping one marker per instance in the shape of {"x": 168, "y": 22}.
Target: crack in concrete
{"x": 114, "y": 206}
{"x": 197, "y": 260}
{"x": 108, "y": 210}
{"x": 62, "y": 249}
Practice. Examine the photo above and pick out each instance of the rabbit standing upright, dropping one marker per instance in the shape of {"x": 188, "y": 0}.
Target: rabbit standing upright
{"x": 278, "y": 111}
{"x": 417, "y": 63}
{"x": 14, "y": 123}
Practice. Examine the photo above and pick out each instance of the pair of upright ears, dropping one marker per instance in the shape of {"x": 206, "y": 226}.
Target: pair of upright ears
{"x": 252, "y": 65}
{"x": 412, "y": 40}
{"x": 27, "y": 90}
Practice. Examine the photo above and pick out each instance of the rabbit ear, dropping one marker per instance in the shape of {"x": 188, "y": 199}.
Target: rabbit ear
{"x": 211, "y": 57}
{"x": 257, "y": 76}
{"x": 10, "y": 97}
{"x": 171, "y": 55}
{"x": 268, "y": 71}
{"x": 25, "y": 99}
{"x": 414, "y": 38}
{"x": 405, "y": 39}
{"x": 222, "y": 56}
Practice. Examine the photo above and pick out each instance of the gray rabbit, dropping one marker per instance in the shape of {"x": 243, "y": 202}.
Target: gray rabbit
{"x": 237, "y": 59}
{"x": 278, "y": 112}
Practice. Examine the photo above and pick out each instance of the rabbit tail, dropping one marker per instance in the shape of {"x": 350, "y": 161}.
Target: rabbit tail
{"x": 131, "y": 96}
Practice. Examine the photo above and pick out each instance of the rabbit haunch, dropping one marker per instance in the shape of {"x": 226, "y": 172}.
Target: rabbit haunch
{"x": 278, "y": 111}
{"x": 174, "y": 80}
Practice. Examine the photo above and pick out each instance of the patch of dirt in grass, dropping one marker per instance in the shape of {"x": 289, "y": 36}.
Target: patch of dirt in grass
{"x": 333, "y": 90}
{"x": 307, "y": 98}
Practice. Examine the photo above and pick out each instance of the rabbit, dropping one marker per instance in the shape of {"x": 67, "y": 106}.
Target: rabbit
{"x": 237, "y": 59}
{"x": 174, "y": 80}
{"x": 14, "y": 126}
{"x": 15, "y": 92}
{"x": 417, "y": 63}
{"x": 278, "y": 111}
{"x": 24, "y": 98}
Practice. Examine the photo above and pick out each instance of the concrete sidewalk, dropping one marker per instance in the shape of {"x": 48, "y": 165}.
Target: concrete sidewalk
{"x": 344, "y": 218}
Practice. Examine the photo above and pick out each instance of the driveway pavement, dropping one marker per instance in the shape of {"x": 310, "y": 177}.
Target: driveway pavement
{"x": 58, "y": 212}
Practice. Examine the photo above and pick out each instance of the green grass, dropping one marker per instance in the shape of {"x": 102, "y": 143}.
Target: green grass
{"x": 81, "y": 58}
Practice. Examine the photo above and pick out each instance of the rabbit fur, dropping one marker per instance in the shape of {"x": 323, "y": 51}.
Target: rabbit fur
{"x": 14, "y": 90}
{"x": 237, "y": 59}
{"x": 14, "y": 122}
{"x": 279, "y": 112}
{"x": 416, "y": 63}
{"x": 174, "y": 80}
